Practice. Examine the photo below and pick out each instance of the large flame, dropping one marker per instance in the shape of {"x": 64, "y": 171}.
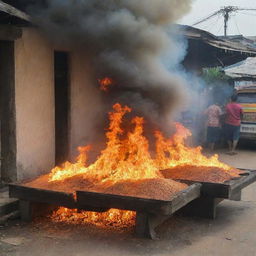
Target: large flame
{"x": 127, "y": 157}
{"x": 174, "y": 152}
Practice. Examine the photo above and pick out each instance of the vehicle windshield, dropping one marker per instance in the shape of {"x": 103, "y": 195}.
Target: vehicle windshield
{"x": 246, "y": 98}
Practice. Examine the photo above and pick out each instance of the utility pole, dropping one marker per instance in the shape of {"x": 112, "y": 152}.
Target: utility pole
{"x": 225, "y": 12}
{"x": 226, "y": 18}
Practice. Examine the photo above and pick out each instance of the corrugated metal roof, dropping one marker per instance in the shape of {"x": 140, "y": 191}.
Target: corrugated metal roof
{"x": 243, "y": 69}
{"x": 219, "y": 42}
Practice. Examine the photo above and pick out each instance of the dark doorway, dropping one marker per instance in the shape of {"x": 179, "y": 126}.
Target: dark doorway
{"x": 62, "y": 106}
{"x": 7, "y": 112}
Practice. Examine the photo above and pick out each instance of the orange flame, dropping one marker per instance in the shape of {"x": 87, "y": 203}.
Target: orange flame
{"x": 127, "y": 157}
{"x": 173, "y": 152}
{"x": 113, "y": 217}
{"x": 105, "y": 83}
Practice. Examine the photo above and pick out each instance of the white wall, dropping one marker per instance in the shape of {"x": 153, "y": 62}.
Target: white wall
{"x": 35, "y": 120}
{"x": 34, "y": 81}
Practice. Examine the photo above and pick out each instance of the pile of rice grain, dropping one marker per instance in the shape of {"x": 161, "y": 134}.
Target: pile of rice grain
{"x": 159, "y": 189}
{"x": 201, "y": 174}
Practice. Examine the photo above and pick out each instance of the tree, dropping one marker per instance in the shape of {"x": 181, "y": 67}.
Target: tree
{"x": 218, "y": 85}
{"x": 214, "y": 76}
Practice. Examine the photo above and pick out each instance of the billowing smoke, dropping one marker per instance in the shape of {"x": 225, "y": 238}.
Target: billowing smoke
{"x": 125, "y": 40}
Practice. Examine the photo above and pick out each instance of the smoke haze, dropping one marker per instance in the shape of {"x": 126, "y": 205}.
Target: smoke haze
{"x": 125, "y": 40}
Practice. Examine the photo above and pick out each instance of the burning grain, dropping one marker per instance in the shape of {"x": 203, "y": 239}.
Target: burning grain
{"x": 159, "y": 189}
{"x": 201, "y": 173}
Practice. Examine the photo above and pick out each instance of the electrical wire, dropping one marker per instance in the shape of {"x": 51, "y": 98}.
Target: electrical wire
{"x": 208, "y": 25}
{"x": 212, "y": 24}
{"x": 248, "y": 14}
{"x": 218, "y": 14}
{"x": 235, "y": 21}
{"x": 220, "y": 27}
{"x": 217, "y": 28}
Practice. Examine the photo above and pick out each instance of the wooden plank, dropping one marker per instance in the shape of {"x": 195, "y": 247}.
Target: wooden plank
{"x": 159, "y": 207}
{"x": 42, "y": 196}
{"x": 55, "y": 198}
{"x": 209, "y": 189}
{"x": 215, "y": 190}
{"x": 185, "y": 197}
{"x": 238, "y": 185}
{"x": 236, "y": 196}
{"x": 146, "y": 224}
{"x": 119, "y": 202}
{"x": 204, "y": 207}
{"x": 225, "y": 190}
{"x": 4, "y": 7}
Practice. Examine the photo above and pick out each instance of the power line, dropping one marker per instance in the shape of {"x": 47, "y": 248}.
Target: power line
{"x": 211, "y": 24}
{"x": 237, "y": 26}
{"x": 220, "y": 27}
{"x": 248, "y": 14}
{"x": 226, "y": 12}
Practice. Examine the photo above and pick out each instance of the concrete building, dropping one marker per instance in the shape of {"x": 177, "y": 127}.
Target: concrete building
{"x": 45, "y": 99}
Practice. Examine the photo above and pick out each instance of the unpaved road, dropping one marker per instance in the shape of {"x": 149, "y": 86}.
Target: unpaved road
{"x": 232, "y": 233}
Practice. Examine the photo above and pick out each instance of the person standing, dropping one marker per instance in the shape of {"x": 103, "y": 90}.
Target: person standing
{"x": 234, "y": 115}
{"x": 213, "y": 113}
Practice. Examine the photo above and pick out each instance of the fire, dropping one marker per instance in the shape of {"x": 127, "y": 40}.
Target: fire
{"x": 126, "y": 157}
{"x": 174, "y": 152}
{"x": 105, "y": 83}
{"x": 68, "y": 169}
{"x": 113, "y": 217}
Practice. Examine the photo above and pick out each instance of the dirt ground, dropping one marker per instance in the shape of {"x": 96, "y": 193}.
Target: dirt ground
{"x": 232, "y": 233}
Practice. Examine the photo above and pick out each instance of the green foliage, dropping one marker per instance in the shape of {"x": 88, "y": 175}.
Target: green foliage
{"x": 217, "y": 84}
{"x": 214, "y": 76}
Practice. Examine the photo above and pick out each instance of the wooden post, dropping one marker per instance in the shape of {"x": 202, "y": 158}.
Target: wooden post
{"x": 204, "y": 207}
{"x": 8, "y": 112}
{"x": 30, "y": 210}
{"x": 26, "y": 211}
{"x": 146, "y": 224}
{"x": 236, "y": 196}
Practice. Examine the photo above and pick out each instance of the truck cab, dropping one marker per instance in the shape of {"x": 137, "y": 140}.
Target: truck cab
{"x": 247, "y": 99}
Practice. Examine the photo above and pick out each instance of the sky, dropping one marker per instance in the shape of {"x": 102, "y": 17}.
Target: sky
{"x": 242, "y": 22}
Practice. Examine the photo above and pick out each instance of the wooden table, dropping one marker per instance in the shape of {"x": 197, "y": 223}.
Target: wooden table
{"x": 149, "y": 212}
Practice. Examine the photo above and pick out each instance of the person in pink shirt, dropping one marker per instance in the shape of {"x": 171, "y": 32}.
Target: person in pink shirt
{"x": 234, "y": 114}
{"x": 213, "y": 114}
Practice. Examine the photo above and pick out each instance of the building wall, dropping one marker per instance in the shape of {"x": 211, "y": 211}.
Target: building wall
{"x": 34, "y": 84}
{"x": 35, "y": 106}
{"x": 85, "y": 103}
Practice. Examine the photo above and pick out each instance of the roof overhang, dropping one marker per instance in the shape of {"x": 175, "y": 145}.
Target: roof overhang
{"x": 243, "y": 69}
{"x": 4, "y": 7}
{"x": 221, "y": 43}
